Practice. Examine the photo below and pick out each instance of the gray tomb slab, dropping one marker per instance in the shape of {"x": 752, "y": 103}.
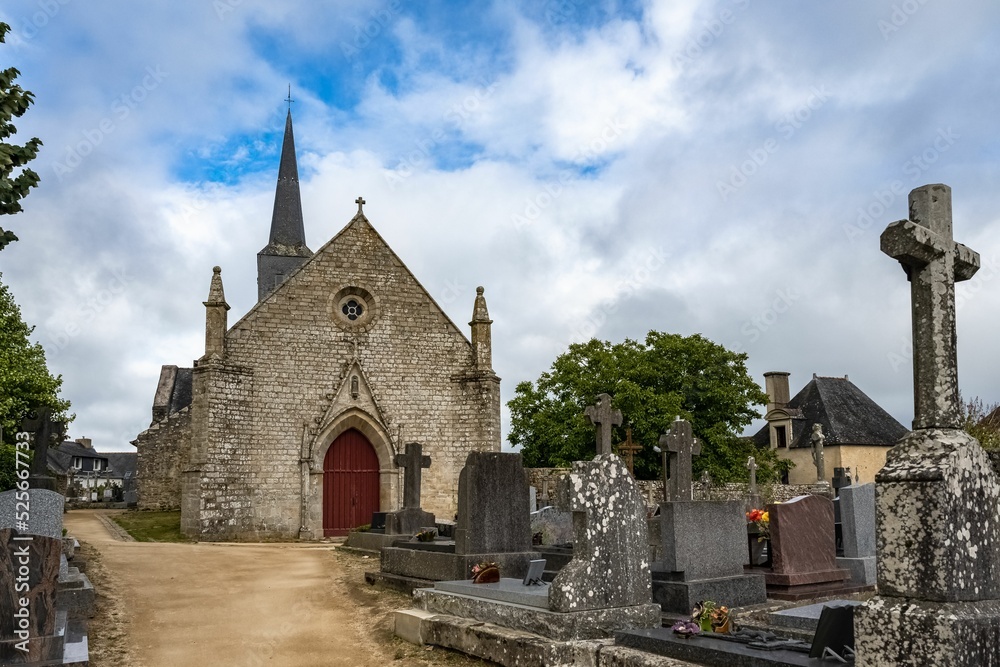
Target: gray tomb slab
{"x": 610, "y": 565}
{"x": 857, "y": 520}
{"x": 505, "y": 590}
{"x": 45, "y": 513}
{"x": 555, "y": 525}
{"x": 704, "y": 549}
{"x": 806, "y": 617}
{"x": 939, "y": 579}
{"x": 493, "y": 525}
{"x": 493, "y": 514}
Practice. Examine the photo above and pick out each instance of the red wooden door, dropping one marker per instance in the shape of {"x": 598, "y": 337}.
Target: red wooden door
{"x": 350, "y": 483}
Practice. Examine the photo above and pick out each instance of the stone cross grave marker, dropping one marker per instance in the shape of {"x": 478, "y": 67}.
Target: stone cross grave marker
{"x": 628, "y": 449}
{"x": 43, "y": 428}
{"x": 933, "y": 262}
{"x": 412, "y": 462}
{"x": 603, "y": 417}
{"x": 683, "y": 446}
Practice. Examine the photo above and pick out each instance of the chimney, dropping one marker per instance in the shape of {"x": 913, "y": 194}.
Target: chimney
{"x": 776, "y": 386}
{"x": 85, "y": 442}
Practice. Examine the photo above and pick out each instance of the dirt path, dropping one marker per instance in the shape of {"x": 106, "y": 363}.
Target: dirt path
{"x": 280, "y": 605}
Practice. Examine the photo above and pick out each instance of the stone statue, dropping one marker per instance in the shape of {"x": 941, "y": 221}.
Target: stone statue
{"x": 817, "y": 440}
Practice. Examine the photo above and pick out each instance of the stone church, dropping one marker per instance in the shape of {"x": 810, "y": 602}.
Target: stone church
{"x": 289, "y": 423}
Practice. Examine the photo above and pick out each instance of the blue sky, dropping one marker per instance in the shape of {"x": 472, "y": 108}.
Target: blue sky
{"x": 602, "y": 168}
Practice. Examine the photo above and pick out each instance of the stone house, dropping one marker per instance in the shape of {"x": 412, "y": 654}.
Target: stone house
{"x": 858, "y": 431}
{"x": 288, "y": 424}
{"x": 77, "y": 463}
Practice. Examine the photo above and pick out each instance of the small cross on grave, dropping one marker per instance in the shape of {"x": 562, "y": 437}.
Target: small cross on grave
{"x": 603, "y": 417}
{"x": 44, "y": 429}
{"x": 628, "y": 449}
{"x": 683, "y": 446}
{"x": 412, "y": 462}
{"x": 752, "y": 467}
{"x": 933, "y": 263}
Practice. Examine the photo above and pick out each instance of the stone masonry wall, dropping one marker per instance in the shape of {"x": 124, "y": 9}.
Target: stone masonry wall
{"x": 160, "y": 450}
{"x": 652, "y": 490}
{"x": 417, "y": 364}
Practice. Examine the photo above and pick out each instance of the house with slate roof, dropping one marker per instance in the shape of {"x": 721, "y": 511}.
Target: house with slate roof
{"x": 858, "y": 431}
{"x": 76, "y": 461}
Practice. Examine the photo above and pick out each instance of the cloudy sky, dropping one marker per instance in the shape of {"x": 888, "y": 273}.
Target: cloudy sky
{"x": 602, "y": 168}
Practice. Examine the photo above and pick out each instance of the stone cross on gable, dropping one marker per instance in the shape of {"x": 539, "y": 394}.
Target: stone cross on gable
{"x": 603, "y": 417}
{"x": 683, "y": 446}
{"x": 412, "y": 462}
{"x": 933, "y": 262}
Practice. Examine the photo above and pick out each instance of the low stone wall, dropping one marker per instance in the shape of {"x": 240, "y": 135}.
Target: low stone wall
{"x": 545, "y": 480}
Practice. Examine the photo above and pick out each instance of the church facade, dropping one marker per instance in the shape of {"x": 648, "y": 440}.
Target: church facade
{"x": 288, "y": 424}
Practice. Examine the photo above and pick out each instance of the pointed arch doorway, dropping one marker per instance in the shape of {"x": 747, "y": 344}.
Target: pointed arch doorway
{"x": 350, "y": 483}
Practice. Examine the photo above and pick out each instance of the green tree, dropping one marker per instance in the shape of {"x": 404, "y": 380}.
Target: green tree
{"x": 14, "y": 101}
{"x": 981, "y": 421}
{"x": 25, "y": 382}
{"x": 652, "y": 383}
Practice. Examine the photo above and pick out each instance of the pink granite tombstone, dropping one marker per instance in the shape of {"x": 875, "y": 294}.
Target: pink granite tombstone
{"x": 804, "y": 550}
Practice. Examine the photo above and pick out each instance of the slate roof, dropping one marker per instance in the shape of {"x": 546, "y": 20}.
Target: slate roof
{"x": 180, "y": 396}
{"x": 61, "y": 459}
{"x": 848, "y": 416}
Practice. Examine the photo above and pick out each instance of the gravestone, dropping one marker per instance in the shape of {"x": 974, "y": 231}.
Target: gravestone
{"x": 603, "y": 417}
{"x": 604, "y": 588}
{"x": 682, "y": 446}
{"x": 43, "y": 429}
{"x": 628, "y": 449}
{"x": 803, "y": 548}
{"x": 532, "y": 499}
{"x": 704, "y": 548}
{"x": 554, "y": 525}
{"x": 33, "y": 628}
{"x": 493, "y": 525}
{"x": 411, "y": 519}
{"x": 857, "y": 514}
{"x": 938, "y": 533}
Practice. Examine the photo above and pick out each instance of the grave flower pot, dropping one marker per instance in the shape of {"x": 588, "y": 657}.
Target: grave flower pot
{"x": 487, "y": 575}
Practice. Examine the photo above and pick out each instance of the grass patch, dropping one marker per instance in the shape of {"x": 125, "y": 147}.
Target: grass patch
{"x": 152, "y": 526}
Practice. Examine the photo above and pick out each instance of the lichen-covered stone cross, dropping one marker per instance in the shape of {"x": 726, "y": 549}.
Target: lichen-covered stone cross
{"x": 933, "y": 262}
{"x": 412, "y": 462}
{"x": 683, "y": 447}
{"x": 603, "y": 416}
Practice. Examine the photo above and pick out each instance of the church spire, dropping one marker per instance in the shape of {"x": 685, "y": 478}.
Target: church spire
{"x": 286, "y": 249}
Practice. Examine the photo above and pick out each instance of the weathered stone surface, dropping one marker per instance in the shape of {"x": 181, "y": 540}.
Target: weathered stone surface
{"x": 680, "y": 597}
{"x": 493, "y": 514}
{"x": 610, "y": 566}
{"x": 703, "y": 539}
{"x": 439, "y": 566}
{"x": 906, "y": 631}
{"x": 506, "y": 590}
{"x": 555, "y": 525}
{"x": 682, "y": 446}
{"x": 42, "y": 556}
{"x": 939, "y": 537}
{"x": 44, "y": 516}
{"x": 584, "y": 624}
{"x": 603, "y": 417}
{"x": 933, "y": 263}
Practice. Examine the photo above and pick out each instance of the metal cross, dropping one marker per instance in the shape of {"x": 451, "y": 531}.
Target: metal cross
{"x": 683, "y": 446}
{"x": 289, "y": 98}
{"x": 360, "y": 202}
{"x": 412, "y": 462}
{"x": 933, "y": 263}
{"x": 628, "y": 449}
{"x": 603, "y": 417}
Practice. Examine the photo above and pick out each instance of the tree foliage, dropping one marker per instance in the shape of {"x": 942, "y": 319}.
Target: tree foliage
{"x": 652, "y": 383}
{"x": 26, "y": 385}
{"x": 14, "y": 101}
{"x": 981, "y": 421}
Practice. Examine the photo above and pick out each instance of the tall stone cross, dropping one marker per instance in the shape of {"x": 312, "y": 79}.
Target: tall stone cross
{"x": 683, "y": 446}
{"x": 43, "y": 428}
{"x": 412, "y": 462}
{"x": 933, "y": 262}
{"x": 752, "y": 467}
{"x": 603, "y": 417}
{"x": 628, "y": 449}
